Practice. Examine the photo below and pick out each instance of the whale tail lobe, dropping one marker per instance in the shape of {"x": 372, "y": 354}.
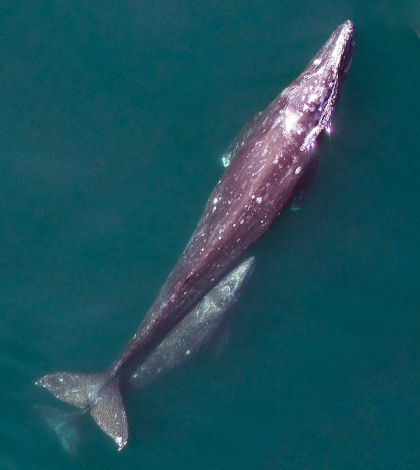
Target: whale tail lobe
{"x": 64, "y": 425}
{"x": 98, "y": 393}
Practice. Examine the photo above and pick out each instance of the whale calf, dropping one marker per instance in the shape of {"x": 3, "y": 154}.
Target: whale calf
{"x": 266, "y": 164}
{"x": 197, "y": 329}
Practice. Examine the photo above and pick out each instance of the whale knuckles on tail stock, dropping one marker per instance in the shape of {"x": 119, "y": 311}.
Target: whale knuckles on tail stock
{"x": 270, "y": 162}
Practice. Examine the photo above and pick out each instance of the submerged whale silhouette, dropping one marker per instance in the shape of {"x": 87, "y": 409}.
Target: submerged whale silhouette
{"x": 203, "y": 326}
{"x": 267, "y": 163}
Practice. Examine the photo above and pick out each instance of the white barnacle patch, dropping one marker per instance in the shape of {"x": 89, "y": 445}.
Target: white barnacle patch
{"x": 298, "y": 169}
{"x": 290, "y": 120}
{"x": 317, "y": 61}
{"x": 321, "y": 70}
{"x": 215, "y": 200}
{"x": 242, "y": 221}
{"x": 187, "y": 352}
{"x": 259, "y": 199}
{"x": 312, "y": 98}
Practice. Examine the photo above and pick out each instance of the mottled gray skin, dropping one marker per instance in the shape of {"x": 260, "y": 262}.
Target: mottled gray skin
{"x": 268, "y": 160}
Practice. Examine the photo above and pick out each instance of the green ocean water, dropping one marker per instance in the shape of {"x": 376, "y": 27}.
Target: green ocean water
{"x": 113, "y": 119}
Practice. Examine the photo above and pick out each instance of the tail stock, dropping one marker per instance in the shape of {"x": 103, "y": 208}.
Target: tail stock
{"x": 98, "y": 393}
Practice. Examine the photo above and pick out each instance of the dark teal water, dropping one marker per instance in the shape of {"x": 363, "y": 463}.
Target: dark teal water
{"x": 113, "y": 118}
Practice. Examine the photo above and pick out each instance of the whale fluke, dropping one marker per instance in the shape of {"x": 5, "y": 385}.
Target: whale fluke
{"x": 97, "y": 392}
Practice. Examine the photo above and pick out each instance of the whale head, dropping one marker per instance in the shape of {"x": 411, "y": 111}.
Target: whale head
{"x": 310, "y": 99}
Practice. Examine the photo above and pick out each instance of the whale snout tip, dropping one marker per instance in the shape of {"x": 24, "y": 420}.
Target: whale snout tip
{"x": 346, "y": 33}
{"x": 348, "y": 24}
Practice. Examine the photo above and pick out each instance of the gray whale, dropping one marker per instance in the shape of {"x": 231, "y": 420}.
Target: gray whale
{"x": 267, "y": 163}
